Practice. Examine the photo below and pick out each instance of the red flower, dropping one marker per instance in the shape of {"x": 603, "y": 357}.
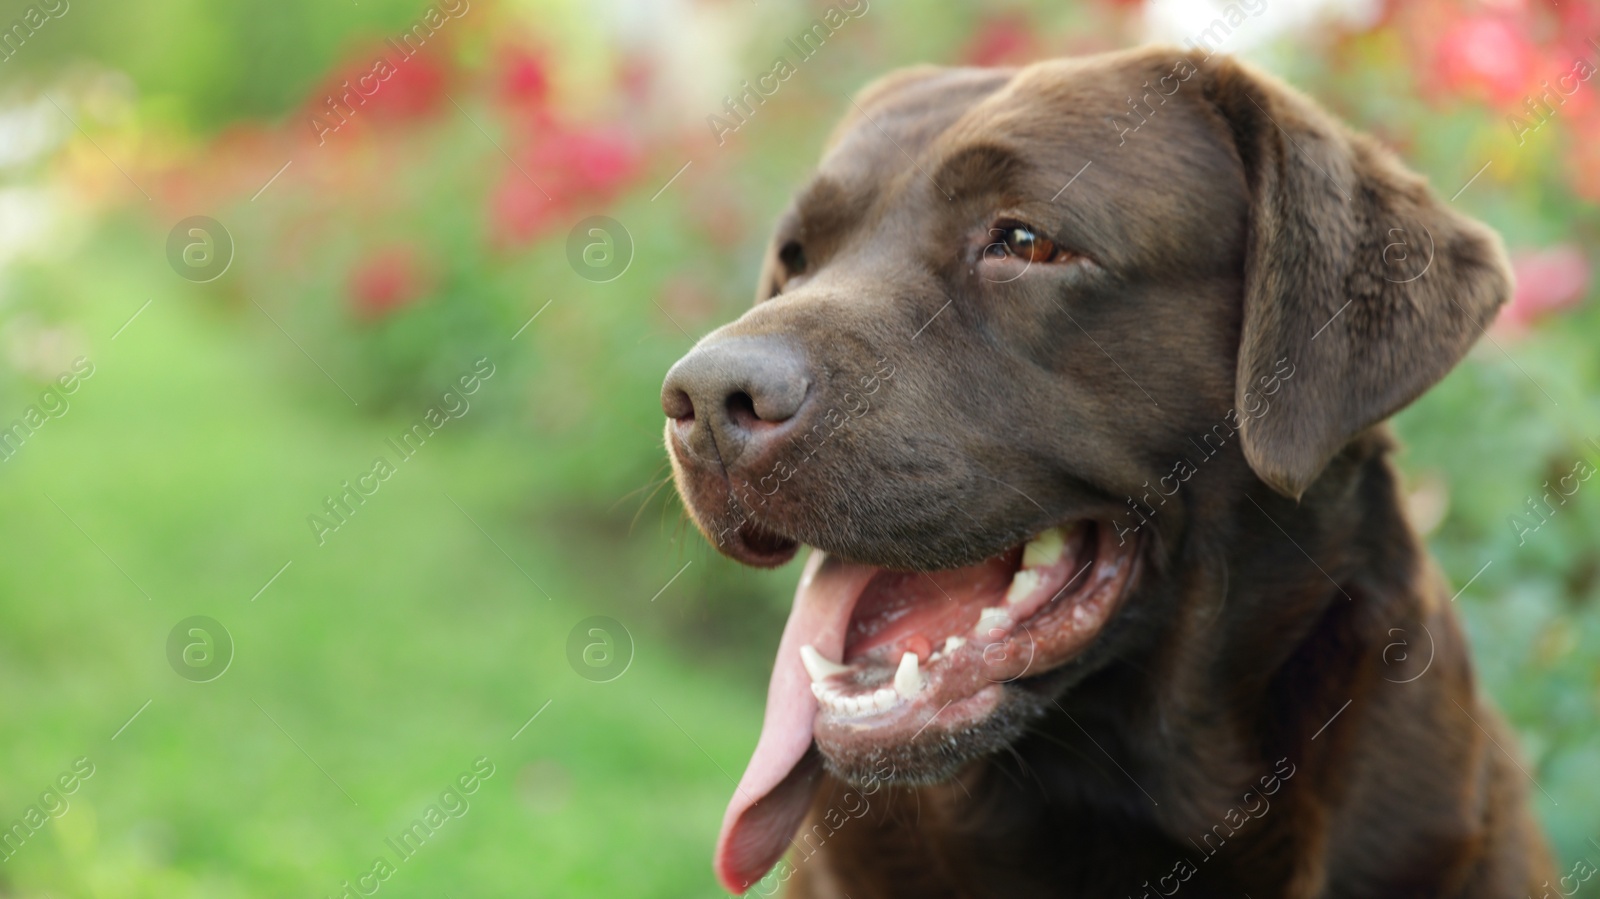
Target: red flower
{"x": 1548, "y": 281}
{"x": 416, "y": 87}
{"x": 386, "y": 280}
{"x": 377, "y": 84}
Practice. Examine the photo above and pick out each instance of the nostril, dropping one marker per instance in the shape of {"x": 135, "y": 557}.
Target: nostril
{"x": 742, "y": 409}
{"x": 678, "y": 405}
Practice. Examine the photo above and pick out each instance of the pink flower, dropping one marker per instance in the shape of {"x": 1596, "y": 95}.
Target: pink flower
{"x": 999, "y": 42}
{"x": 1488, "y": 54}
{"x": 593, "y": 161}
{"x": 1548, "y": 281}
{"x": 524, "y": 77}
{"x": 571, "y": 168}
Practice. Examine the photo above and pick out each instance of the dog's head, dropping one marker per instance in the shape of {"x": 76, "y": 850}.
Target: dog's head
{"x": 1006, "y": 306}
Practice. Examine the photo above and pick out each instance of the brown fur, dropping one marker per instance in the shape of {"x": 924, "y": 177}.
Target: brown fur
{"x": 1285, "y": 616}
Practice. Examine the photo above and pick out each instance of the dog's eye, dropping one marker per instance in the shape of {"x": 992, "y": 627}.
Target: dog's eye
{"x": 793, "y": 257}
{"x": 1020, "y": 241}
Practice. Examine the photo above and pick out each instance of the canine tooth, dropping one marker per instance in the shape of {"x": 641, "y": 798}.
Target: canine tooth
{"x": 1022, "y": 586}
{"x": 908, "y": 681}
{"x": 1045, "y": 549}
{"x": 818, "y": 666}
{"x": 953, "y": 643}
{"x": 992, "y": 619}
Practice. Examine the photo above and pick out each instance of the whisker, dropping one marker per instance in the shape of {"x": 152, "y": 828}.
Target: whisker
{"x": 646, "y": 504}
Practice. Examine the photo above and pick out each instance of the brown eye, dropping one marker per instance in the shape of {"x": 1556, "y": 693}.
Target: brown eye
{"x": 1026, "y": 243}
{"x": 1023, "y": 242}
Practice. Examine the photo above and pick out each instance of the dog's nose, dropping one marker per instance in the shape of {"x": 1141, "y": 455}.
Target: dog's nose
{"x": 733, "y": 397}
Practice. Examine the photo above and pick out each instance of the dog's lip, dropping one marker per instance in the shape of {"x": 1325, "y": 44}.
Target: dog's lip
{"x": 962, "y": 688}
{"x": 758, "y": 546}
{"x": 938, "y": 667}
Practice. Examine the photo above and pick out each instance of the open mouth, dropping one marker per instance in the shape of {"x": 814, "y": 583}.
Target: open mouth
{"x": 878, "y": 664}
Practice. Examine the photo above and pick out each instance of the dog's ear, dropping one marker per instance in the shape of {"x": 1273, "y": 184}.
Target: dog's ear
{"x": 1361, "y": 287}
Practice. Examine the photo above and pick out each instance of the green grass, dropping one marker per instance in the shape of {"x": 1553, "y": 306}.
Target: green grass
{"x": 388, "y": 659}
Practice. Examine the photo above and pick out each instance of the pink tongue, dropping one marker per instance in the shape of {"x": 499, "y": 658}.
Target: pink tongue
{"x": 773, "y": 796}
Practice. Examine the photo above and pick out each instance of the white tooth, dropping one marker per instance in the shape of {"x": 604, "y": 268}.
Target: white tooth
{"x": 819, "y": 667}
{"x": 908, "y": 681}
{"x": 953, "y": 643}
{"x": 885, "y": 698}
{"x": 990, "y": 620}
{"x": 1045, "y": 549}
{"x": 1022, "y": 586}
{"x": 813, "y": 562}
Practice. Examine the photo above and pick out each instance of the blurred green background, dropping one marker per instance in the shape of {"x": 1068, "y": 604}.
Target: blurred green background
{"x": 375, "y": 263}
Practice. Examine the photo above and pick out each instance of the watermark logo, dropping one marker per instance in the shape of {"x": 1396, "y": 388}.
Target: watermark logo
{"x": 1404, "y": 658}
{"x": 199, "y": 649}
{"x": 1403, "y": 255}
{"x": 599, "y": 249}
{"x": 199, "y": 249}
{"x": 599, "y": 649}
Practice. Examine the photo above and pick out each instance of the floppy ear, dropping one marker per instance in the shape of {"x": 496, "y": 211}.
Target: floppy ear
{"x": 1361, "y": 287}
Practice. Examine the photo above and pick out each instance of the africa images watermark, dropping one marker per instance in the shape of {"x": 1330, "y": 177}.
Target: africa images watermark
{"x": 52, "y": 804}
{"x": 1566, "y": 85}
{"x": 1211, "y": 442}
{"x": 1581, "y": 871}
{"x": 851, "y": 806}
{"x": 1582, "y": 470}
{"x": 452, "y": 804}
{"x": 32, "y": 19}
{"x": 340, "y": 107}
{"x": 341, "y": 506}
{"x": 741, "y": 107}
{"x": 1214, "y": 839}
{"x": 1209, "y": 40}
{"x": 52, "y": 404}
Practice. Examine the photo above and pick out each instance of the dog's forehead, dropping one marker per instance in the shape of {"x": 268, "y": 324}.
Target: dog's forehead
{"x": 1155, "y": 172}
{"x": 916, "y": 116}
{"x": 896, "y": 120}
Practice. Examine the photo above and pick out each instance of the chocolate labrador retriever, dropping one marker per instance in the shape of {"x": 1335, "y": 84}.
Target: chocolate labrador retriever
{"x": 1073, "y": 377}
